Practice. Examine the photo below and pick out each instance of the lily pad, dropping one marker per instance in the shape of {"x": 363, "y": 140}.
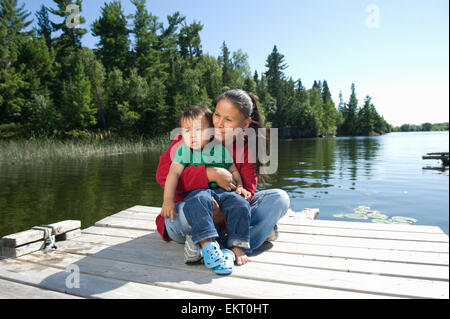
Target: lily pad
{"x": 377, "y": 215}
{"x": 356, "y": 216}
{"x": 361, "y": 209}
{"x": 403, "y": 220}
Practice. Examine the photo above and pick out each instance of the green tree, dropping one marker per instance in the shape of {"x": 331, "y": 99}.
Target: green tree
{"x": 111, "y": 27}
{"x": 44, "y": 27}
{"x": 77, "y": 108}
{"x": 70, "y": 38}
{"x": 13, "y": 86}
{"x": 366, "y": 118}
{"x": 275, "y": 64}
{"x": 149, "y": 56}
{"x": 227, "y": 66}
{"x": 349, "y": 125}
{"x": 189, "y": 41}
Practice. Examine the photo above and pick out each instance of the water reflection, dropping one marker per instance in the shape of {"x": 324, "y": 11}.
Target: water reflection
{"x": 318, "y": 162}
{"x": 87, "y": 190}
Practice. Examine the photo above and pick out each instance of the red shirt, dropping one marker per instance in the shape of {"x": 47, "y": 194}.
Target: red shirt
{"x": 194, "y": 177}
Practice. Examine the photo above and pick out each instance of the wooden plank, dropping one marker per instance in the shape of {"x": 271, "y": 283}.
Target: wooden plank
{"x": 117, "y": 232}
{"x": 363, "y": 233}
{"x": 22, "y": 238}
{"x": 14, "y": 290}
{"x": 135, "y": 215}
{"x": 172, "y": 258}
{"x": 145, "y": 209}
{"x": 432, "y": 272}
{"x": 319, "y": 248}
{"x": 385, "y": 268}
{"x": 126, "y": 223}
{"x": 32, "y": 235}
{"x": 12, "y": 252}
{"x": 91, "y": 286}
{"x": 364, "y": 242}
{"x": 425, "y": 258}
{"x": 362, "y": 225}
{"x": 195, "y": 278}
{"x": 64, "y": 226}
{"x": 69, "y": 235}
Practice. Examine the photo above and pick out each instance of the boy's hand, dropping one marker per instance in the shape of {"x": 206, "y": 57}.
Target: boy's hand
{"x": 245, "y": 193}
{"x": 168, "y": 210}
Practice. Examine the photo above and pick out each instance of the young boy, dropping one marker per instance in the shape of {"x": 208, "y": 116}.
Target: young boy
{"x": 198, "y": 148}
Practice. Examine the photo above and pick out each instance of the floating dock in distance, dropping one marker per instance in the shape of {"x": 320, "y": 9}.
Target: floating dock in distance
{"x": 122, "y": 256}
{"x": 443, "y": 156}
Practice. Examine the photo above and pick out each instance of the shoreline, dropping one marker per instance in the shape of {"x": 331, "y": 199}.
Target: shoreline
{"x": 41, "y": 149}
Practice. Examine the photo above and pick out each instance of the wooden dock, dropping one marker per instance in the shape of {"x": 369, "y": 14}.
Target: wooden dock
{"x": 443, "y": 156}
{"x": 122, "y": 256}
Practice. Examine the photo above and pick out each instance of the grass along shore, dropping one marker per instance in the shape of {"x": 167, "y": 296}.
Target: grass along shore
{"x": 43, "y": 149}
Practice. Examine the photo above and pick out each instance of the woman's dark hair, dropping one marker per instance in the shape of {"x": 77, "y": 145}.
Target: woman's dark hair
{"x": 196, "y": 111}
{"x": 247, "y": 104}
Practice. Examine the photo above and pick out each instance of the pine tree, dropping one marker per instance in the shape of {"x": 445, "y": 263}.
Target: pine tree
{"x": 44, "y": 27}
{"x": 366, "y": 118}
{"x": 70, "y": 39}
{"x": 227, "y": 66}
{"x": 326, "y": 94}
{"x": 189, "y": 41}
{"x": 77, "y": 108}
{"x": 149, "y": 59}
{"x": 275, "y": 64}
{"x": 111, "y": 27}
{"x": 349, "y": 125}
{"x": 13, "y": 20}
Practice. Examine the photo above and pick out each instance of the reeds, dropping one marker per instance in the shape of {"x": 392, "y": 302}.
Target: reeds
{"x": 44, "y": 149}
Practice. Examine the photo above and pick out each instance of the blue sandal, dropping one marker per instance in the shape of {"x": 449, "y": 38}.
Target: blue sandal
{"x": 227, "y": 265}
{"x": 212, "y": 255}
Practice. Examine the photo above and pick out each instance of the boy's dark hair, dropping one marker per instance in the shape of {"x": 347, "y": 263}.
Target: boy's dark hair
{"x": 196, "y": 111}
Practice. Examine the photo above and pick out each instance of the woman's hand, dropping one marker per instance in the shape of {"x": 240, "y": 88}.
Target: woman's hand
{"x": 222, "y": 177}
{"x": 169, "y": 210}
{"x": 245, "y": 193}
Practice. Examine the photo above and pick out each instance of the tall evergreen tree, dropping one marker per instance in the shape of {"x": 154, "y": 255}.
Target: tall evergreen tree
{"x": 275, "y": 64}
{"x": 148, "y": 54}
{"x": 189, "y": 41}
{"x": 349, "y": 125}
{"x": 227, "y": 66}
{"x": 366, "y": 119}
{"x": 70, "y": 39}
{"x": 111, "y": 27}
{"x": 13, "y": 20}
{"x": 44, "y": 27}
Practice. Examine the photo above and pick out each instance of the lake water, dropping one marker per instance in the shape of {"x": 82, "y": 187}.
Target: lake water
{"x": 335, "y": 175}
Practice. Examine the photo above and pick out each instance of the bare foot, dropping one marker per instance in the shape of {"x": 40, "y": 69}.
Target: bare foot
{"x": 241, "y": 257}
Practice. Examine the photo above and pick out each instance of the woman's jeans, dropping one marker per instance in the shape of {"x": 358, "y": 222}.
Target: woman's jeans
{"x": 266, "y": 208}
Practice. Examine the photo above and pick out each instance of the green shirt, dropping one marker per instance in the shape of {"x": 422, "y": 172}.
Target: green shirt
{"x": 215, "y": 155}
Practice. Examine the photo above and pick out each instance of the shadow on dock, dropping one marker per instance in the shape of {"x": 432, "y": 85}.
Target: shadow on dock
{"x": 145, "y": 259}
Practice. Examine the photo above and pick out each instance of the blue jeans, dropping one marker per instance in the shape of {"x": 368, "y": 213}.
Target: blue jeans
{"x": 198, "y": 210}
{"x": 266, "y": 208}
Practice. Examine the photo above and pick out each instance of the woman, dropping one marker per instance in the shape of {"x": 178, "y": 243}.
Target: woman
{"x": 235, "y": 109}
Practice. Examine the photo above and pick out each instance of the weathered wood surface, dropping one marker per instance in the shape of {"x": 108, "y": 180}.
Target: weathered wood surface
{"x": 25, "y": 242}
{"x": 32, "y": 235}
{"x": 122, "y": 256}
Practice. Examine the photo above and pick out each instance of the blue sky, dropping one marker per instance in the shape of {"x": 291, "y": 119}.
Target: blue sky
{"x": 396, "y": 51}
